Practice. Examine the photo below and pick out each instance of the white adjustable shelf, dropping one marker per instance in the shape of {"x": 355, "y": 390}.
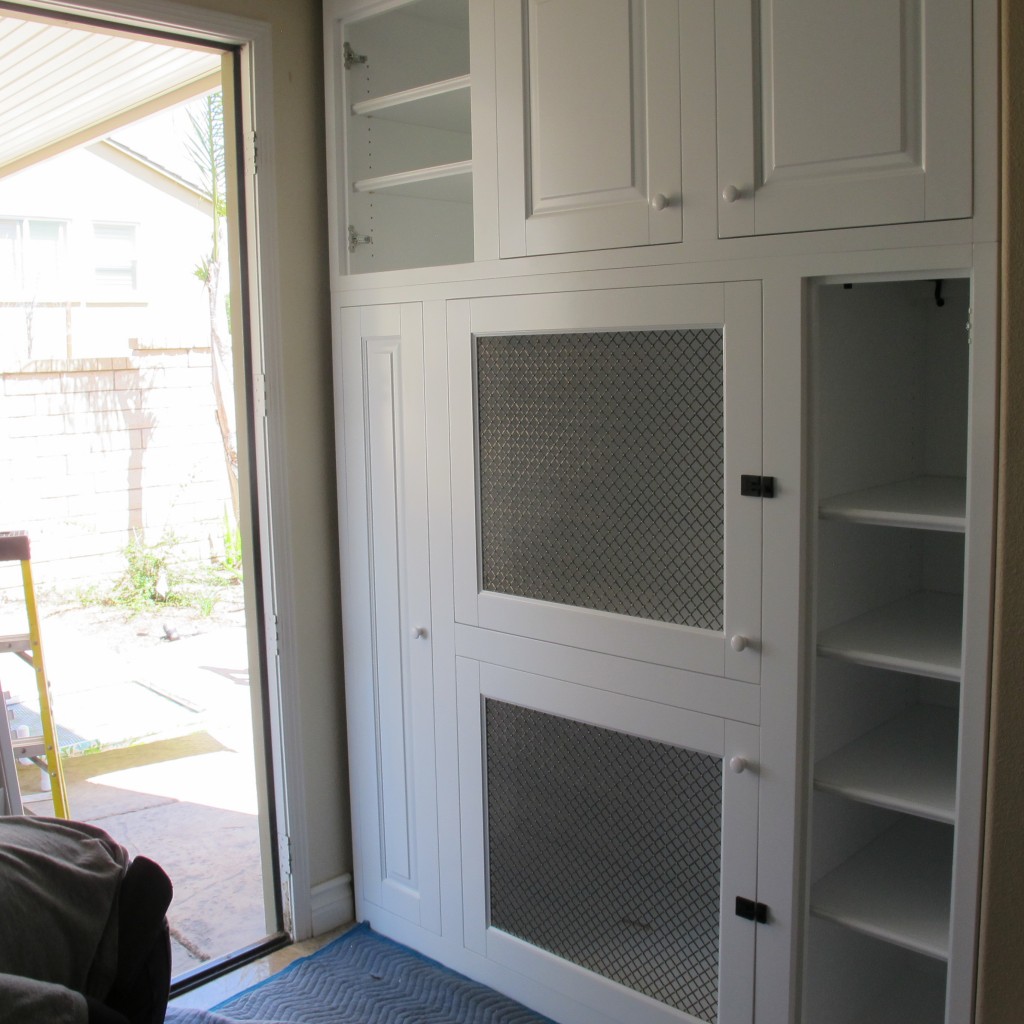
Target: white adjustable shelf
{"x": 895, "y": 889}
{"x": 448, "y": 182}
{"x": 924, "y": 502}
{"x": 920, "y": 634}
{"x": 443, "y": 105}
{"x": 908, "y": 764}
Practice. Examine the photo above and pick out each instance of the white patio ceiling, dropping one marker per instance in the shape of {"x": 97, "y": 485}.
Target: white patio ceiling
{"x": 66, "y": 85}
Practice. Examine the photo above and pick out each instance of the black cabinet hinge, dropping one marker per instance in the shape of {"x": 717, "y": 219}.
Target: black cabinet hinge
{"x": 757, "y": 486}
{"x": 751, "y": 911}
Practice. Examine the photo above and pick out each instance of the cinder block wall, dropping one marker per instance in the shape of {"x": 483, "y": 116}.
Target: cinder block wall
{"x": 95, "y": 451}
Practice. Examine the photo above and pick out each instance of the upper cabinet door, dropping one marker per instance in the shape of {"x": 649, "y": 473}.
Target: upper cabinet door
{"x": 588, "y": 124}
{"x": 833, "y": 114}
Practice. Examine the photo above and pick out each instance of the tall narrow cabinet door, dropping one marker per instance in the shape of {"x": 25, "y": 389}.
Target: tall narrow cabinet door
{"x": 588, "y": 124}
{"x": 833, "y": 114}
{"x": 386, "y": 611}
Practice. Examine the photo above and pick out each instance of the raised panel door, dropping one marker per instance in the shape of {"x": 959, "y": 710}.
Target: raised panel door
{"x": 386, "y": 611}
{"x": 840, "y": 115}
{"x": 588, "y": 124}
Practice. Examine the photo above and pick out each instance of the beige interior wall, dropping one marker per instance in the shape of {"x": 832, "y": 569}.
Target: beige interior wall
{"x": 299, "y": 158}
{"x": 1001, "y": 971}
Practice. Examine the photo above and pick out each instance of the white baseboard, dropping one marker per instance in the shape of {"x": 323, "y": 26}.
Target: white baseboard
{"x": 332, "y": 904}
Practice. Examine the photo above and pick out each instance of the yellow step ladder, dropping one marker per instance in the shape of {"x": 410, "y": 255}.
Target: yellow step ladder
{"x": 44, "y": 750}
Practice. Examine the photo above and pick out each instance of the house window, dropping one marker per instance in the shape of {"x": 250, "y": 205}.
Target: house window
{"x": 8, "y": 258}
{"x": 33, "y": 260}
{"x": 115, "y": 262}
{"x": 35, "y": 288}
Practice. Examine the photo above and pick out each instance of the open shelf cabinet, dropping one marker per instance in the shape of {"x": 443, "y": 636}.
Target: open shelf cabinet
{"x": 890, "y": 439}
{"x": 403, "y": 99}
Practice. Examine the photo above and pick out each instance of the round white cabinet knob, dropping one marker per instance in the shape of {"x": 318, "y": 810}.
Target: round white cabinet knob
{"x": 659, "y": 201}
{"x": 738, "y": 764}
{"x": 419, "y": 633}
{"x": 738, "y": 643}
{"x": 730, "y": 193}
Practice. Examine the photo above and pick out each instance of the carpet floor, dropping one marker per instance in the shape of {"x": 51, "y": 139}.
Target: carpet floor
{"x": 363, "y": 978}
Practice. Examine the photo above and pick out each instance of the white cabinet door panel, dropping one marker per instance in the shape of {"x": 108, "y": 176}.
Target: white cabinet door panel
{"x": 588, "y": 124}
{"x": 386, "y": 611}
{"x": 598, "y": 440}
{"x": 839, "y": 115}
{"x": 611, "y": 885}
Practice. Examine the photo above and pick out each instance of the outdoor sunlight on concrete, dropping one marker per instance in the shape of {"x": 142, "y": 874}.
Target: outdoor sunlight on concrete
{"x": 219, "y": 780}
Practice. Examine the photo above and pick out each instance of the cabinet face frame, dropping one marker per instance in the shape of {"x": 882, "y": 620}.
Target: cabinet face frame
{"x": 925, "y": 174}
{"x": 545, "y": 207}
{"x": 386, "y": 597}
{"x": 708, "y": 734}
{"x": 735, "y": 307}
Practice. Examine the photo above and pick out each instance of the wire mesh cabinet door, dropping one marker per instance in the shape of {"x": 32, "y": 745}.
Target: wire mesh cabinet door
{"x": 602, "y": 447}
{"x": 386, "y": 611}
{"x": 608, "y": 845}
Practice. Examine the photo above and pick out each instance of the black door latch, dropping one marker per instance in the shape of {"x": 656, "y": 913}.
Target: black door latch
{"x": 757, "y": 486}
{"x": 751, "y": 911}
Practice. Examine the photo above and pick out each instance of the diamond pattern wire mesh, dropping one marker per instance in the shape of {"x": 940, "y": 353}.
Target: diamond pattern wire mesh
{"x": 601, "y": 471}
{"x": 605, "y": 850}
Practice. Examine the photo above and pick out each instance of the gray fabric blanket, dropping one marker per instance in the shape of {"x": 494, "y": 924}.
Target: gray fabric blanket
{"x": 59, "y": 882}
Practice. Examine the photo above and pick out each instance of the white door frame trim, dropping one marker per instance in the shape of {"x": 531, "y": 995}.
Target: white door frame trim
{"x": 253, "y": 38}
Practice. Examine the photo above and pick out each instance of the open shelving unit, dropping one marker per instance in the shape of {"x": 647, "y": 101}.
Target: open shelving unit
{"x": 890, "y": 440}
{"x": 407, "y": 158}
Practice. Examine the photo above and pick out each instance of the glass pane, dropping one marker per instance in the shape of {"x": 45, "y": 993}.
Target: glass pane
{"x": 9, "y": 276}
{"x": 114, "y": 256}
{"x": 601, "y": 471}
{"x": 44, "y": 260}
{"x": 617, "y": 867}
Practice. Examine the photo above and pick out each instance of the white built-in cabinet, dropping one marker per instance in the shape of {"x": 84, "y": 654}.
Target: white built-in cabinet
{"x": 666, "y": 553}
{"x": 828, "y": 116}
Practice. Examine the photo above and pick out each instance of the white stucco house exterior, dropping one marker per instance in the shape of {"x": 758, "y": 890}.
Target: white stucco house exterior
{"x": 97, "y": 251}
{"x": 108, "y": 427}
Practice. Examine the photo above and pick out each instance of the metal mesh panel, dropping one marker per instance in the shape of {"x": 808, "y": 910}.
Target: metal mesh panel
{"x": 605, "y": 849}
{"x": 601, "y": 471}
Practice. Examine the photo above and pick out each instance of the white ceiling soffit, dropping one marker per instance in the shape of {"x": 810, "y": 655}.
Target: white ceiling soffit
{"x": 64, "y": 85}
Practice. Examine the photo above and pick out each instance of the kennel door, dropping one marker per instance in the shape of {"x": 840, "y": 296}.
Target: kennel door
{"x": 607, "y": 840}
{"x": 600, "y": 444}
